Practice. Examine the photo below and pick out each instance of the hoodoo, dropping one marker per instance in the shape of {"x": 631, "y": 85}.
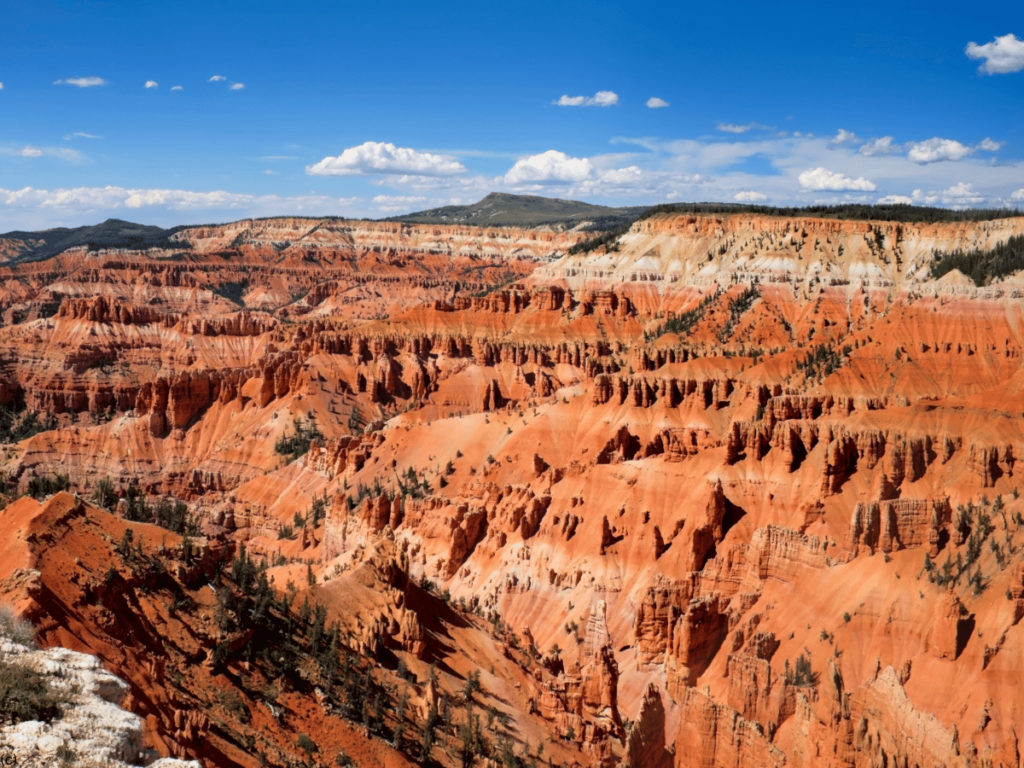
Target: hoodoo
{"x": 718, "y": 488}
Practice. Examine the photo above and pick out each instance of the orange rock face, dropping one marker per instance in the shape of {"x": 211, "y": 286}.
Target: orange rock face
{"x": 743, "y": 492}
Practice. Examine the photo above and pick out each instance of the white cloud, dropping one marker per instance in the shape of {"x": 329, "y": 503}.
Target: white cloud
{"x": 937, "y": 150}
{"x": 278, "y": 157}
{"x": 894, "y": 200}
{"x": 1018, "y": 195}
{"x": 81, "y": 135}
{"x": 1003, "y": 55}
{"x": 987, "y": 145}
{"x": 655, "y": 103}
{"x": 1, "y": 86}
{"x": 844, "y": 137}
{"x": 393, "y": 203}
{"x": 152, "y": 84}
{"x": 822, "y": 178}
{"x": 87, "y": 199}
{"x": 961, "y": 194}
{"x": 733, "y": 128}
{"x": 64, "y": 153}
{"x": 748, "y": 196}
{"x": 882, "y": 146}
{"x": 550, "y": 166}
{"x": 375, "y": 157}
{"x": 599, "y": 99}
{"x": 216, "y": 79}
{"x": 236, "y": 86}
{"x": 81, "y": 82}
{"x": 176, "y": 88}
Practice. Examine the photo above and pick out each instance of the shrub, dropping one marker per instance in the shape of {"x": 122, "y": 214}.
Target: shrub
{"x": 307, "y": 744}
{"x": 25, "y": 694}
{"x": 103, "y": 495}
{"x": 15, "y": 629}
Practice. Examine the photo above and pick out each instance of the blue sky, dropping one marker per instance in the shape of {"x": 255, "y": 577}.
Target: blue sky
{"x": 258, "y": 108}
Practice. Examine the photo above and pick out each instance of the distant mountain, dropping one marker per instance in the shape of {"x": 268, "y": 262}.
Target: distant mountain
{"x": 502, "y": 210}
{"x": 112, "y": 233}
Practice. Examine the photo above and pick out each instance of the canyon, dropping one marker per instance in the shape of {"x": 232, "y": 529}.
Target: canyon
{"x": 732, "y": 489}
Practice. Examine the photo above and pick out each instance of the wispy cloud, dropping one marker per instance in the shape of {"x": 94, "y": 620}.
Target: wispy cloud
{"x": 112, "y": 198}
{"x": 216, "y": 79}
{"x": 176, "y": 88}
{"x": 1, "y": 86}
{"x": 152, "y": 84}
{"x": 81, "y": 135}
{"x": 374, "y": 157}
{"x": 655, "y": 103}
{"x": 395, "y": 203}
{"x": 882, "y": 146}
{"x": 1002, "y": 56}
{"x": 29, "y": 150}
{"x": 599, "y": 99}
{"x": 81, "y": 82}
{"x": 734, "y": 128}
{"x": 278, "y": 157}
{"x": 236, "y": 86}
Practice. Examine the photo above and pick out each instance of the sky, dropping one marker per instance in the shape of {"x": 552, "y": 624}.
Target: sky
{"x": 200, "y": 112}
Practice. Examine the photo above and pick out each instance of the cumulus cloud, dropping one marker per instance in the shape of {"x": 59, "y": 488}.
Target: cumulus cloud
{"x": 599, "y": 99}
{"x": 31, "y": 152}
{"x": 844, "y": 137}
{"x": 655, "y": 103}
{"x": 894, "y": 200}
{"x": 1003, "y": 55}
{"x": 749, "y": 196}
{"x": 176, "y": 88}
{"x": 961, "y": 194}
{"x": 987, "y": 145}
{"x": 81, "y": 82}
{"x": 882, "y": 146}
{"x": 236, "y": 86}
{"x": 550, "y": 166}
{"x": 81, "y": 135}
{"x": 822, "y": 179}
{"x": 1018, "y": 195}
{"x": 937, "y": 150}
{"x": 375, "y": 157}
{"x": 152, "y": 84}
{"x": 216, "y": 79}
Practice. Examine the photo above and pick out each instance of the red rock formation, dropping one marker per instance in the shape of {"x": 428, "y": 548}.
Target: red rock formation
{"x": 645, "y": 746}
